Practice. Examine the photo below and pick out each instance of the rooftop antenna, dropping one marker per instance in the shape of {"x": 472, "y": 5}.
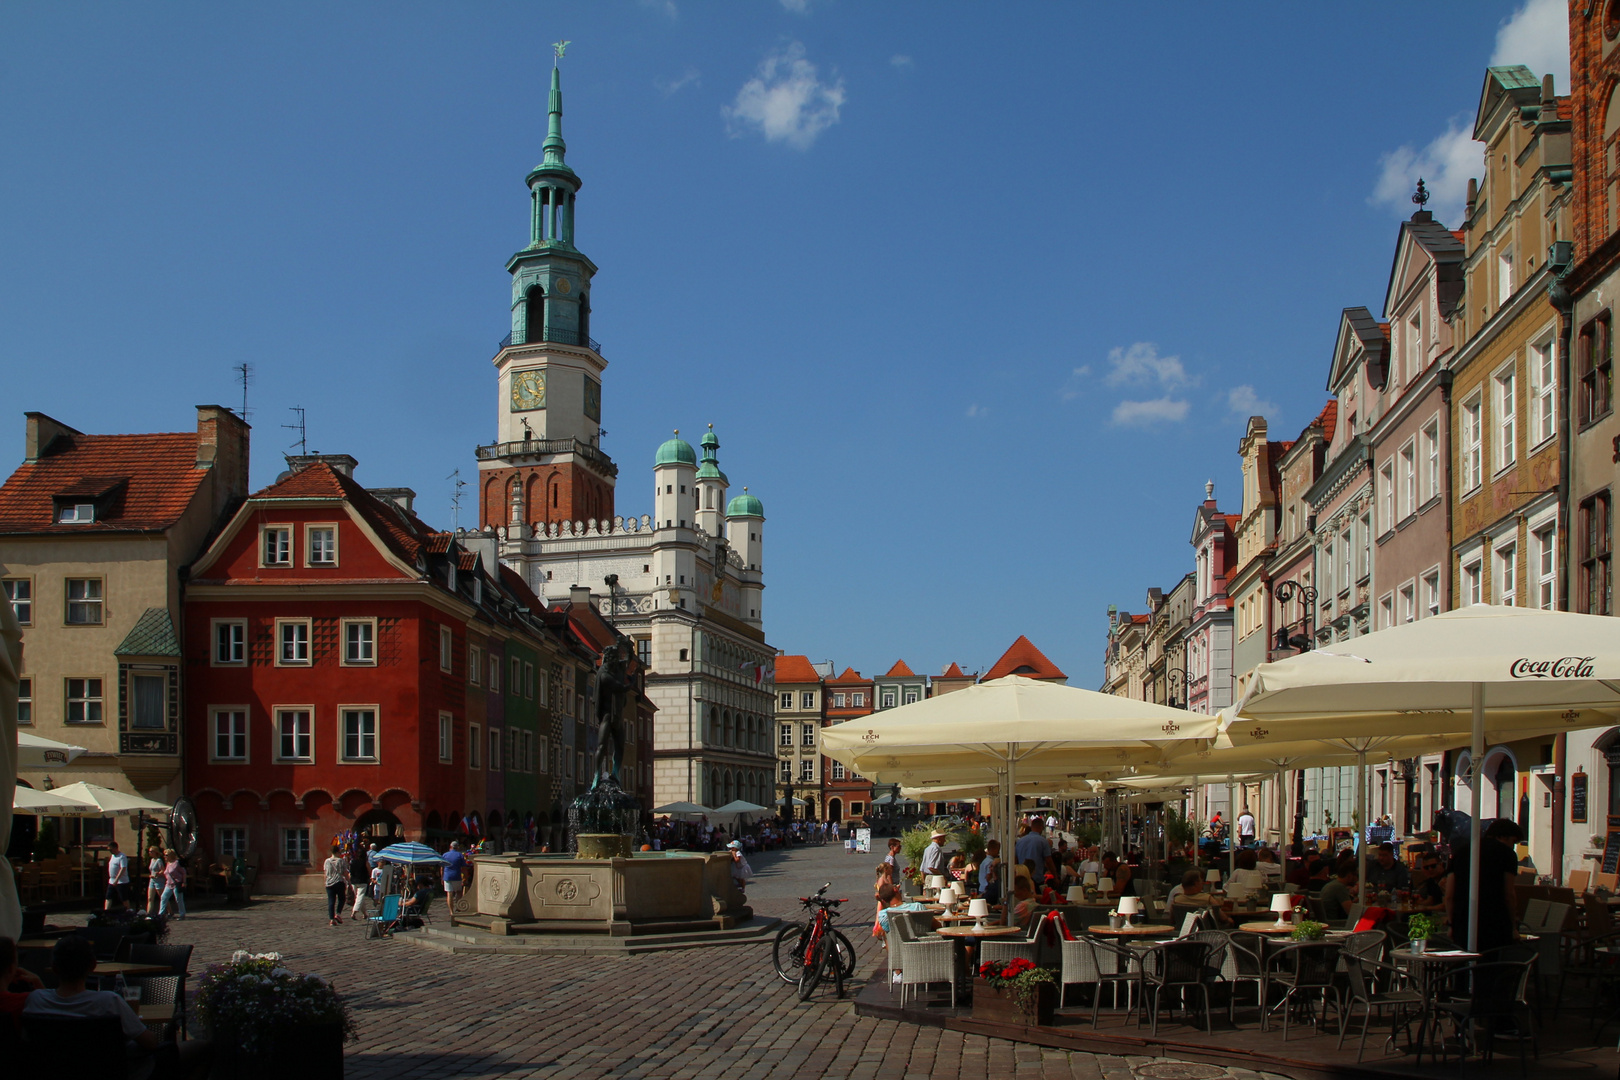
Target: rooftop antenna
{"x": 455, "y": 498}
{"x": 1421, "y": 195}
{"x": 303, "y": 435}
{"x": 244, "y": 375}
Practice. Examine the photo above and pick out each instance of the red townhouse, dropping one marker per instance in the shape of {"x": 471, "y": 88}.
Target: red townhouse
{"x": 326, "y": 637}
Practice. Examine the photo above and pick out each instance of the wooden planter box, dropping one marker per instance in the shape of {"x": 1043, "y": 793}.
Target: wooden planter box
{"x": 999, "y": 1005}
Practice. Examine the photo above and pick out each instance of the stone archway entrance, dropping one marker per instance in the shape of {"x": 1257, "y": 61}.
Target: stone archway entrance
{"x": 379, "y": 827}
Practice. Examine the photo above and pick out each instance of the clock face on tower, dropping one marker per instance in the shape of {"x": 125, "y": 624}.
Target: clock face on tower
{"x": 593, "y": 400}
{"x": 528, "y": 390}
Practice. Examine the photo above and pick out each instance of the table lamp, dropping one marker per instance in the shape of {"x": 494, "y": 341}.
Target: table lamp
{"x": 1105, "y": 885}
{"x": 1213, "y": 878}
{"x": 947, "y": 896}
{"x": 1282, "y": 904}
{"x": 1128, "y": 906}
{"x": 1076, "y": 894}
{"x": 979, "y": 910}
{"x": 1090, "y": 879}
{"x": 935, "y": 882}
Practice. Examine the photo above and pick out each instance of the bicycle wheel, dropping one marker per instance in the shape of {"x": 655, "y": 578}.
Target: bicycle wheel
{"x": 846, "y": 953}
{"x": 833, "y": 969}
{"x": 810, "y": 972}
{"x": 788, "y": 951}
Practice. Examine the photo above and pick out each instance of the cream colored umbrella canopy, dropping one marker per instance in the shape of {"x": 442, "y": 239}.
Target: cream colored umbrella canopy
{"x": 50, "y": 804}
{"x": 1010, "y": 728}
{"x": 106, "y": 802}
{"x": 38, "y": 752}
{"x": 1514, "y": 671}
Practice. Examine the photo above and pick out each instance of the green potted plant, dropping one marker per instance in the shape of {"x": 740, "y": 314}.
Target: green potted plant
{"x": 1016, "y": 992}
{"x": 1419, "y": 928}
{"x": 1309, "y": 931}
{"x": 267, "y": 1021}
{"x": 912, "y": 842}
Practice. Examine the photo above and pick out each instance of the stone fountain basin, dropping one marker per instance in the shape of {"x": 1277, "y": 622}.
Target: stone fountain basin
{"x": 642, "y": 893}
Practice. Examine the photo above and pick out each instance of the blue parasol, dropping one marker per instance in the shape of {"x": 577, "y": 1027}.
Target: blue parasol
{"x": 411, "y": 854}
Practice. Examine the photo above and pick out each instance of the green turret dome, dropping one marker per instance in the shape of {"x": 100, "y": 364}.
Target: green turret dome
{"x": 745, "y": 505}
{"x": 710, "y": 471}
{"x": 676, "y": 451}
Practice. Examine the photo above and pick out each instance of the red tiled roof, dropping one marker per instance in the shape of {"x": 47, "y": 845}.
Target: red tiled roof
{"x": 953, "y": 672}
{"x": 400, "y": 529}
{"x": 850, "y": 675}
{"x": 1139, "y": 619}
{"x": 158, "y": 474}
{"x": 899, "y": 671}
{"x": 795, "y": 669}
{"x": 1023, "y": 658}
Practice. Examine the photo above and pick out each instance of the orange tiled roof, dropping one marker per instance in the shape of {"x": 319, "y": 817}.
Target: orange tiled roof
{"x": 1023, "y": 658}
{"x": 899, "y": 671}
{"x": 850, "y": 675}
{"x": 1139, "y": 620}
{"x": 953, "y": 672}
{"x": 148, "y": 481}
{"x": 795, "y": 669}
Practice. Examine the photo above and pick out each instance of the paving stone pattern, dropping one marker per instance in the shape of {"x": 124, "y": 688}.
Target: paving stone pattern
{"x": 712, "y": 1013}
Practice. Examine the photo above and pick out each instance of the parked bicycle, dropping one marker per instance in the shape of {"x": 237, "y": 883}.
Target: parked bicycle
{"x": 811, "y": 952}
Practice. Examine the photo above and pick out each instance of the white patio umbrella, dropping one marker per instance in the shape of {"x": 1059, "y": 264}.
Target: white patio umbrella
{"x": 50, "y": 804}
{"x": 1511, "y": 670}
{"x": 676, "y": 809}
{"x": 1001, "y": 728}
{"x": 38, "y": 752}
{"x": 98, "y": 801}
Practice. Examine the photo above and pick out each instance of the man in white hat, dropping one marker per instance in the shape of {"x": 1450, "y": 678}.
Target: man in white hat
{"x": 741, "y": 872}
{"x": 933, "y": 857}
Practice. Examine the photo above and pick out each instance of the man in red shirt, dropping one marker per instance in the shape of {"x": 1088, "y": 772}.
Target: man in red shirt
{"x": 11, "y": 975}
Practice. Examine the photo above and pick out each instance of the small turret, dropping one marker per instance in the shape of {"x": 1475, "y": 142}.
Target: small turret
{"x": 745, "y": 534}
{"x": 711, "y": 487}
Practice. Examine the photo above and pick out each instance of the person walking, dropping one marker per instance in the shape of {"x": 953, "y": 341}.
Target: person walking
{"x": 1246, "y": 828}
{"x": 359, "y": 881}
{"x": 337, "y": 880}
{"x": 174, "y": 884}
{"x": 154, "y": 879}
{"x": 117, "y": 878}
{"x": 455, "y": 874}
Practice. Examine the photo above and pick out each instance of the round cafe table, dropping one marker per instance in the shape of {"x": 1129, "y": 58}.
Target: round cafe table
{"x": 974, "y": 931}
{"x": 1140, "y": 930}
{"x": 1268, "y": 928}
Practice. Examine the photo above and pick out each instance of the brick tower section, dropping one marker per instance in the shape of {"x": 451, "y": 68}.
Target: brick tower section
{"x": 564, "y": 491}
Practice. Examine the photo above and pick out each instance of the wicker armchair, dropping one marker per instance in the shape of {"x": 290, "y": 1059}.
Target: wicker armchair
{"x": 923, "y": 963}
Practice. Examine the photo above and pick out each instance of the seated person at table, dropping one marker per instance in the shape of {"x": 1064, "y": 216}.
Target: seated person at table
{"x": 1247, "y": 879}
{"x": 1272, "y": 870}
{"x": 990, "y": 872}
{"x": 1090, "y": 863}
{"x": 1318, "y": 875}
{"x": 73, "y": 959}
{"x": 889, "y": 902}
{"x": 1024, "y": 902}
{"x": 1387, "y": 872}
{"x": 1113, "y": 868}
{"x": 1428, "y": 886}
{"x": 11, "y": 1003}
{"x": 1339, "y": 894}
{"x": 957, "y": 870}
{"x": 416, "y": 903}
{"x": 1191, "y": 889}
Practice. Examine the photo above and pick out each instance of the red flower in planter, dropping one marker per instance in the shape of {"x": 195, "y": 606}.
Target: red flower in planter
{"x": 987, "y": 970}
{"x": 1017, "y": 966}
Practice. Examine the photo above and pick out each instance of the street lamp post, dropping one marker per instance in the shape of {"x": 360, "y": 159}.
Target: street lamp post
{"x": 1287, "y": 591}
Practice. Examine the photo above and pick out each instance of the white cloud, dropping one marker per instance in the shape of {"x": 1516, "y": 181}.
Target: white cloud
{"x": 1444, "y": 166}
{"x": 785, "y": 102}
{"x": 1142, "y": 364}
{"x": 902, "y": 61}
{"x": 1162, "y": 410}
{"x": 666, "y": 7}
{"x": 1245, "y": 402}
{"x": 690, "y": 77}
{"x": 1537, "y": 36}
{"x": 977, "y": 410}
{"x": 1071, "y": 389}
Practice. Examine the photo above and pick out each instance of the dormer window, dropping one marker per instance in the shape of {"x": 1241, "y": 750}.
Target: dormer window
{"x": 76, "y": 513}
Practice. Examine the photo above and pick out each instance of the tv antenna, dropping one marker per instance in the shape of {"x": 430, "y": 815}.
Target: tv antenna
{"x": 455, "y": 498}
{"x": 303, "y": 435}
{"x": 244, "y": 375}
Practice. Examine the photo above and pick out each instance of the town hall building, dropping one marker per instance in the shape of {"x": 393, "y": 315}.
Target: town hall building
{"x": 684, "y": 581}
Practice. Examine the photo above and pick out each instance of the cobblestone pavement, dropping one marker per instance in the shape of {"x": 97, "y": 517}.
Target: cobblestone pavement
{"x": 715, "y": 1013}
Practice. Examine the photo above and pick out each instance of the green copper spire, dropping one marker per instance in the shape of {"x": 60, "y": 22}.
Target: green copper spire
{"x": 554, "y": 146}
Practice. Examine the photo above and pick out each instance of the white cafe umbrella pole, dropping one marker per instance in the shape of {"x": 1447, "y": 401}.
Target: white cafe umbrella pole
{"x": 1231, "y": 830}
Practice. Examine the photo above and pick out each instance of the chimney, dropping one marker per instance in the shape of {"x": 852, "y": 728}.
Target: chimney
{"x": 42, "y": 432}
{"x": 222, "y": 449}
{"x": 342, "y": 463}
{"x": 580, "y": 595}
{"x": 402, "y": 497}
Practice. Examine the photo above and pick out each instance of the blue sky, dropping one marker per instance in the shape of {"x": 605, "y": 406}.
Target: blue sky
{"x": 976, "y": 296}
